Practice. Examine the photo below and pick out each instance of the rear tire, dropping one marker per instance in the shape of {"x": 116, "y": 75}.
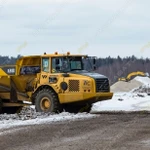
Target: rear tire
{"x": 1, "y": 105}
{"x": 46, "y": 100}
{"x": 11, "y": 110}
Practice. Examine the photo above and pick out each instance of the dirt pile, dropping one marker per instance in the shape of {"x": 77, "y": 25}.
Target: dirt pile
{"x": 137, "y": 82}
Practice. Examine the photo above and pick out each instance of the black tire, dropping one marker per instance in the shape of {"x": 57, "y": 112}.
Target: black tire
{"x": 1, "y": 105}
{"x": 77, "y": 108}
{"x": 87, "y": 108}
{"x": 46, "y": 100}
{"x": 11, "y": 110}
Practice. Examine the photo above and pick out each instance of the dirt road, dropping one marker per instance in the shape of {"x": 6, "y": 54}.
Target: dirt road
{"x": 104, "y": 132}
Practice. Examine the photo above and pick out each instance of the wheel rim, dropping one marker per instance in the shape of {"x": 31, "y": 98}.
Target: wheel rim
{"x": 45, "y": 103}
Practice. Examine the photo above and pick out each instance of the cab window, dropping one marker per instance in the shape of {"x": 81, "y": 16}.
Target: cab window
{"x": 45, "y": 64}
{"x": 56, "y": 65}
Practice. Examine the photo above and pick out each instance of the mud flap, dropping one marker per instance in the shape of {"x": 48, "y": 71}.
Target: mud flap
{"x": 13, "y": 92}
{"x": 1, "y": 105}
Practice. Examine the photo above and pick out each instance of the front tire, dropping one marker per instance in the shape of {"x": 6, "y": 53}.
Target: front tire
{"x": 72, "y": 108}
{"x": 47, "y": 101}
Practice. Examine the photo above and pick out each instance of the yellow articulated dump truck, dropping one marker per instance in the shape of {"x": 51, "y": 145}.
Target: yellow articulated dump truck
{"x": 51, "y": 82}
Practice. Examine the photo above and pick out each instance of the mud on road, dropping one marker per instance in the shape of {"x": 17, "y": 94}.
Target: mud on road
{"x": 103, "y": 132}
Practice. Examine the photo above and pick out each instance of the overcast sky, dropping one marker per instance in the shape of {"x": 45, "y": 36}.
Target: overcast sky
{"x": 95, "y": 27}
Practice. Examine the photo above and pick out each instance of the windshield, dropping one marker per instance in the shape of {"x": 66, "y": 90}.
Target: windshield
{"x": 66, "y": 64}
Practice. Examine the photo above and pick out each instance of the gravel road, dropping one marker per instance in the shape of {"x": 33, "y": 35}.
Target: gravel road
{"x": 103, "y": 132}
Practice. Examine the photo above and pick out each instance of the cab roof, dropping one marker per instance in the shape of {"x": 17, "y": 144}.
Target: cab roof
{"x": 53, "y": 55}
{"x": 37, "y": 58}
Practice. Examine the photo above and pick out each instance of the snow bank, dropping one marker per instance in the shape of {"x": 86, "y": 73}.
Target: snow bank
{"x": 128, "y": 96}
{"x": 8, "y": 121}
{"x": 143, "y": 80}
{"x": 124, "y": 102}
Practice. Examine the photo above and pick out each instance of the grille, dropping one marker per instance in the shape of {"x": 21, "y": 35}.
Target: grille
{"x": 74, "y": 85}
{"x": 102, "y": 85}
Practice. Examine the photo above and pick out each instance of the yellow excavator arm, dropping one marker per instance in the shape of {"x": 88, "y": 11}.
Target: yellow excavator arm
{"x": 133, "y": 74}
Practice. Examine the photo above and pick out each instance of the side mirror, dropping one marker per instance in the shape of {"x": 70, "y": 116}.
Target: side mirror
{"x": 94, "y": 63}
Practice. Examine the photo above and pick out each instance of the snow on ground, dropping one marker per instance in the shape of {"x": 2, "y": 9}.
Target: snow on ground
{"x": 8, "y": 121}
{"x": 135, "y": 100}
{"x": 124, "y": 102}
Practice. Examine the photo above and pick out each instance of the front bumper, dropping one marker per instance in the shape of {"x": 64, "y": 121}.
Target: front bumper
{"x": 98, "y": 96}
{"x": 81, "y": 97}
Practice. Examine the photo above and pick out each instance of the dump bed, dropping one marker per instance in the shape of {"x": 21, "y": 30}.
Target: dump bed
{"x": 18, "y": 79}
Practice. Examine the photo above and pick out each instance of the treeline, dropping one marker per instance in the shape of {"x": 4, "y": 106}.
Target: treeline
{"x": 5, "y": 60}
{"x": 113, "y": 68}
